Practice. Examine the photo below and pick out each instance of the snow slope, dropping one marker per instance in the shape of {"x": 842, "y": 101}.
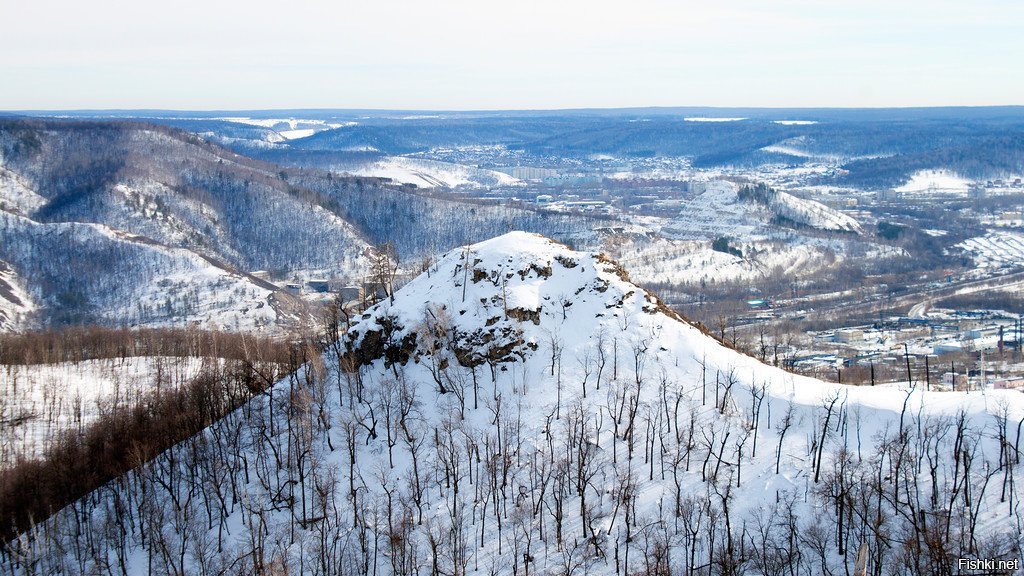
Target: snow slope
{"x": 15, "y": 302}
{"x": 432, "y": 173}
{"x": 42, "y": 401}
{"x": 142, "y": 282}
{"x": 520, "y": 402}
{"x": 997, "y": 249}
{"x": 692, "y": 262}
{"x": 719, "y": 211}
{"x": 933, "y": 181}
{"x": 285, "y": 129}
{"x": 811, "y": 213}
{"x": 15, "y": 194}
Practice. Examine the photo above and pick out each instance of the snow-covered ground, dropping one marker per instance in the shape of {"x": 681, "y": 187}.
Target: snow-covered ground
{"x": 692, "y": 262}
{"x": 149, "y": 284}
{"x": 15, "y": 302}
{"x": 996, "y": 249}
{"x": 935, "y": 181}
{"x": 788, "y": 150}
{"x": 16, "y": 196}
{"x": 39, "y": 402}
{"x": 520, "y": 401}
{"x": 718, "y": 211}
{"x": 288, "y": 128}
{"x": 432, "y": 173}
{"x": 812, "y": 213}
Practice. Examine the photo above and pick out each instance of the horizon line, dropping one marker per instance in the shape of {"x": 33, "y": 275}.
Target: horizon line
{"x": 495, "y": 110}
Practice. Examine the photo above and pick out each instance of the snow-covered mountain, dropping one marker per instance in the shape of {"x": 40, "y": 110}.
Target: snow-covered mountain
{"x": 126, "y": 224}
{"x": 167, "y": 189}
{"x": 96, "y": 274}
{"x": 16, "y": 196}
{"x": 524, "y": 408}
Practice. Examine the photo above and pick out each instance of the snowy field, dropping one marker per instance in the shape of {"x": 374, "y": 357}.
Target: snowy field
{"x": 935, "y": 182}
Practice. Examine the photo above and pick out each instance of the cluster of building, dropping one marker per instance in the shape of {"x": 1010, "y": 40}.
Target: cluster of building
{"x": 981, "y": 349}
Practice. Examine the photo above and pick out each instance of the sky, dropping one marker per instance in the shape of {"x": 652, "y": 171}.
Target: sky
{"x": 529, "y": 54}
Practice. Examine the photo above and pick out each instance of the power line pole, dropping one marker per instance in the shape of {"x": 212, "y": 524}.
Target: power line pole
{"x": 906, "y": 356}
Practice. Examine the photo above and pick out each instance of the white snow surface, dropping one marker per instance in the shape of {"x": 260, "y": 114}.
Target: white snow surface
{"x": 288, "y": 128}
{"x": 996, "y": 249}
{"x": 934, "y": 181}
{"x": 789, "y": 151}
{"x": 543, "y": 314}
{"x": 691, "y": 262}
{"x": 433, "y": 174}
{"x": 814, "y": 214}
{"x": 16, "y": 196}
{"x": 15, "y": 302}
{"x": 44, "y": 400}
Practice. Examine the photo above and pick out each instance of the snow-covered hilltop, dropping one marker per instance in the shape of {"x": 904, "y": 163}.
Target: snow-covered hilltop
{"x": 523, "y": 408}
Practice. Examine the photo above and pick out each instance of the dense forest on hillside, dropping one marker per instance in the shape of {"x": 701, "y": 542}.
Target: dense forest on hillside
{"x": 132, "y": 223}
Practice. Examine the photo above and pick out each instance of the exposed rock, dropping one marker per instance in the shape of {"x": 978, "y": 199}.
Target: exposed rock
{"x": 523, "y": 314}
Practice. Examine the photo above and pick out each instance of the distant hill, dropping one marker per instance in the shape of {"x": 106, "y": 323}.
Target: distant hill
{"x": 877, "y": 148}
{"x": 132, "y": 223}
{"x": 108, "y": 221}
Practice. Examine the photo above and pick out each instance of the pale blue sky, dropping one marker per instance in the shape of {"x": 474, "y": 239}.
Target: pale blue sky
{"x": 475, "y": 54}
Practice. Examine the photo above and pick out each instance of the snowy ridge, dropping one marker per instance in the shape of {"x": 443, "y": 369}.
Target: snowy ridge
{"x": 812, "y": 213}
{"x": 520, "y": 402}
